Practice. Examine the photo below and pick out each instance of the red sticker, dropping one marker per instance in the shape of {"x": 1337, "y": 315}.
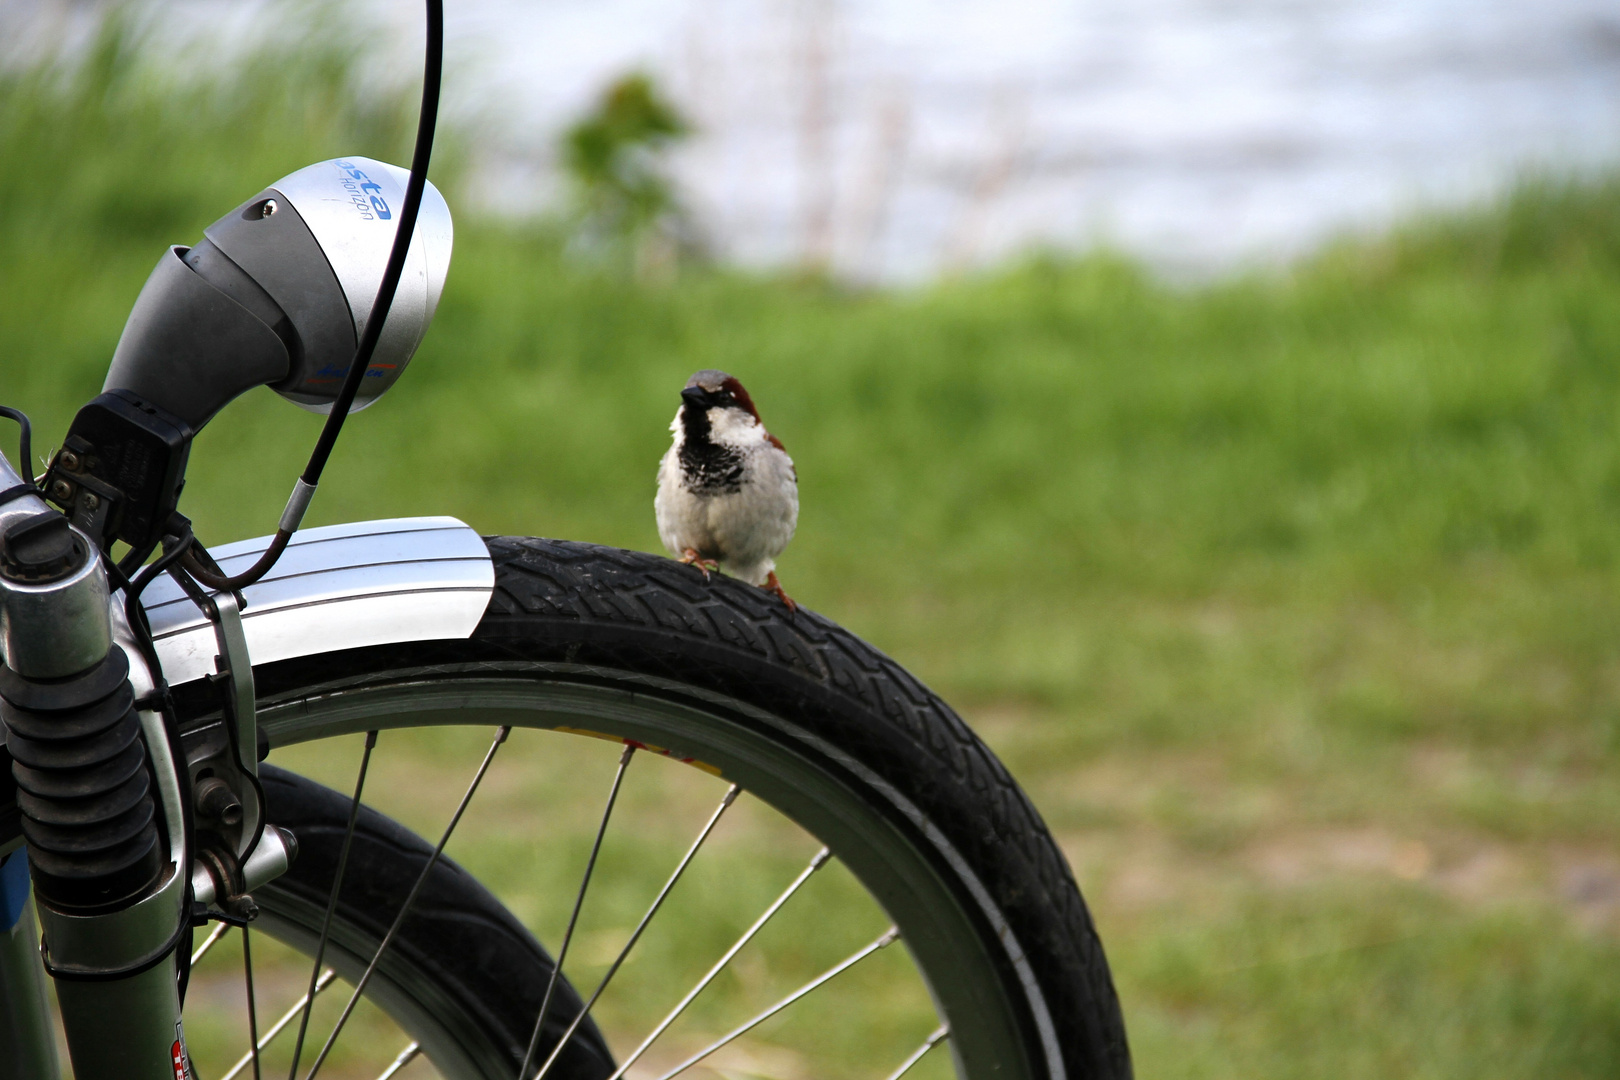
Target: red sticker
{"x": 177, "y": 1054}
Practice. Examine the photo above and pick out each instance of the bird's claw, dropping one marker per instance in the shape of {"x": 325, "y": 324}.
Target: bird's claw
{"x": 774, "y": 586}
{"x": 690, "y": 557}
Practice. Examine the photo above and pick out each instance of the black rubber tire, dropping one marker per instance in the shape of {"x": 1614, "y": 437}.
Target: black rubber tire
{"x": 460, "y": 961}
{"x": 588, "y": 612}
{"x": 652, "y": 615}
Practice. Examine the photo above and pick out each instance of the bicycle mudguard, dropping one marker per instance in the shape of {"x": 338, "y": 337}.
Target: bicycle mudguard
{"x": 336, "y": 587}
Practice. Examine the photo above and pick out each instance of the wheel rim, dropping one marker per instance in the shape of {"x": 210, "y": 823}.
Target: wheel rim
{"x": 897, "y": 856}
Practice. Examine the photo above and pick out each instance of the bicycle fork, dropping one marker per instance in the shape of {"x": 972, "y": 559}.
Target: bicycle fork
{"x": 98, "y": 791}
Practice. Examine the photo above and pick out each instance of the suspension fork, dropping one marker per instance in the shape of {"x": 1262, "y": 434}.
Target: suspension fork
{"x": 27, "y": 1050}
{"x": 99, "y": 793}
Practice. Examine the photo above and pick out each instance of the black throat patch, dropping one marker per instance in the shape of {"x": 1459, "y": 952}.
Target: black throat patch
{"x": 707, "y": 467}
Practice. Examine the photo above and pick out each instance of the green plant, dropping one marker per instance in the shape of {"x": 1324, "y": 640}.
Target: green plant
{"x": 615, "y": 159}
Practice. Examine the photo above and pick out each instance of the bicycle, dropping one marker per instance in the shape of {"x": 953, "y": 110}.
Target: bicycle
{"x": 141, "y": 696}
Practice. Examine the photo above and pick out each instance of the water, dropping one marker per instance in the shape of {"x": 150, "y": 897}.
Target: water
{"x": 897, "y": 138}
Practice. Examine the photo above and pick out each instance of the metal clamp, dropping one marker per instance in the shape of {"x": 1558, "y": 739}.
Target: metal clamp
{"x": 222, "y": 759}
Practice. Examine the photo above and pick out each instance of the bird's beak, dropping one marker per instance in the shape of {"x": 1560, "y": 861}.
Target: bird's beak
{"x": 696, "y": 396}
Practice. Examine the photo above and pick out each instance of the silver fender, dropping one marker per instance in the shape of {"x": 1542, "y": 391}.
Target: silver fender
{"x": 335, "y": 587}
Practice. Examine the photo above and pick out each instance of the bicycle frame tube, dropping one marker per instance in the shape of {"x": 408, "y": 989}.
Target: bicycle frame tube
{"x": 114, "y": 962}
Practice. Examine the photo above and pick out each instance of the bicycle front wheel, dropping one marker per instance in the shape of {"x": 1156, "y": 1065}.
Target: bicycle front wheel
{"x": 796, "y": 714}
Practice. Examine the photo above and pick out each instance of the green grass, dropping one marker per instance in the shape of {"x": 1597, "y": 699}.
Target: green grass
{"x": 1293, "y": 599}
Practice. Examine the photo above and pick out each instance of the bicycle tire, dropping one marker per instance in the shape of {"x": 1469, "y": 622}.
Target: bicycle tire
{"x": 818, "y": 723}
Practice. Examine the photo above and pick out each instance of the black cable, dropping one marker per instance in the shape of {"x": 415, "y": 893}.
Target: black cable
{"x": 432, "y": 69}
{"x": 172, "y": 555}
{"x": 17, "y": 491}
{"x": 194, "y": 567}
{"x": 427, "y": 123}
{"x": 25, "y": 442}
{"x": 134, "y": 558}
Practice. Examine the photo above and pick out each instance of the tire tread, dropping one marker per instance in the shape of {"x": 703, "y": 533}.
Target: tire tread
{"x": 798, "y": 663}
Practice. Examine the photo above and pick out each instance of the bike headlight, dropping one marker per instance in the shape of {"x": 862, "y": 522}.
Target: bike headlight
{"x": 278, "y": 292}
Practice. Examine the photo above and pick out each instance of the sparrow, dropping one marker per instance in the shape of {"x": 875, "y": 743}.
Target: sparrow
{"x": 728, "y": 495}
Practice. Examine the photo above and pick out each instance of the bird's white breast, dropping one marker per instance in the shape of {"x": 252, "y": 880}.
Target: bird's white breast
{"x": 746, "y": 529}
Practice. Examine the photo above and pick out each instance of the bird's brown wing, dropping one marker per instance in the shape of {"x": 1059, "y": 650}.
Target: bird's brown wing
{"x": 774, "y": 441}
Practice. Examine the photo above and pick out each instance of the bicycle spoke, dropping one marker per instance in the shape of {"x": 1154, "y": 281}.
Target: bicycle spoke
{"x": 406, "y": 1056}
{"x": 573, "y": 918}
{"x": 326, "y": 979}
{"x": 209, "y": 942}
{"x": 253, "y": 1007}
{"x": 404, "y": 910}
{"x": 331, "y": 903}
{"x": 888, "y": 938}
{"x": 940, "y": 1034}
{"x": 562, "y": 1043}
{"x": 816, "y": 863}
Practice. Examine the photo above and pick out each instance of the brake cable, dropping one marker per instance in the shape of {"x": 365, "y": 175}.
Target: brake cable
{"x": 304, "y": 490}
{"x": 25, "y": 451}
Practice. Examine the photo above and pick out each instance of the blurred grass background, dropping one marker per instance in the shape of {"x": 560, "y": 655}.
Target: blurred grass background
{"x": 1291, "y": 597}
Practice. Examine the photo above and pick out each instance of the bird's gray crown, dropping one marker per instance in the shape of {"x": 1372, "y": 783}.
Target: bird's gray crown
{"x": 709, "y": 379}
